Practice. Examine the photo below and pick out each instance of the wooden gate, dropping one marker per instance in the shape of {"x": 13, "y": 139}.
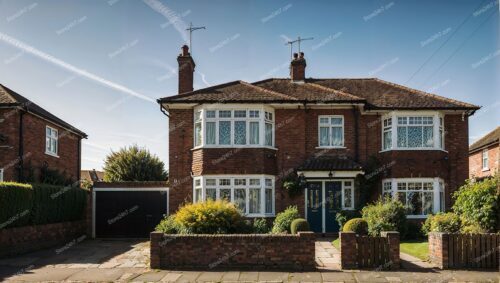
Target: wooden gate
{"x": 473, "y": 250}
{"x": 373, "y": 252}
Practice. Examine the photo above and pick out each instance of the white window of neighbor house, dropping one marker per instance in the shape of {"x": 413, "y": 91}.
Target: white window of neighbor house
{"x": 51, "y": 141}
{"x": 331, "y": 131}
{"x": 485, "y": 159}
{"x": 1, "y": 174}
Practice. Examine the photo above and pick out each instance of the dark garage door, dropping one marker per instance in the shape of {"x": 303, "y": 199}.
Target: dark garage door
{"x": 128, "y": 214}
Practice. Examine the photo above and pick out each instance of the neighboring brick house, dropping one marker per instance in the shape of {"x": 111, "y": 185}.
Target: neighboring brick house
{"x": 92, "y": 176}
{"x": 484, "y": 155}
{"x": 32, "y": 138}
{"x": 240, "y": 140}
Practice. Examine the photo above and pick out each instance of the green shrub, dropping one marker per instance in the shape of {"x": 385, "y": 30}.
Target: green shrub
{"x": 356, "y": 225}
{"x": 442, "y": 222}
{"x": 168, "y": 225}
{"x": 345, "y": 215}
{"x": 210, "y": 217}
{"x": 299, "y": 224}
{"x": 260, "y": 226}
{"x": 36, "y": 204}
{"x": 473, "y": 229}
{"x": 385, "y": 215}
{"x": 477, "y": 203}
{"x": 284, "y": 220}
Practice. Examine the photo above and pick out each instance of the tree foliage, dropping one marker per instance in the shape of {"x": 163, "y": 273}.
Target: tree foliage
{"x": 133, "y": 164}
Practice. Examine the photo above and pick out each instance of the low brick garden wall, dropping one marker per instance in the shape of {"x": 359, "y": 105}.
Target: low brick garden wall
{"x": 30, "y": 238}
{"x": 252, "y": 251}
{"x": 369, "y": 252}
{"x": 454, "y": 250}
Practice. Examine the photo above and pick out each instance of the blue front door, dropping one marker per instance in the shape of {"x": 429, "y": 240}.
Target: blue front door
{"x": 314, "y": 206}
{"x": 333, "y": 204}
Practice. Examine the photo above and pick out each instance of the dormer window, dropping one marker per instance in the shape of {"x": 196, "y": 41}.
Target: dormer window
{"x": 412, "y": 131}
{"x": 233, "y": 127}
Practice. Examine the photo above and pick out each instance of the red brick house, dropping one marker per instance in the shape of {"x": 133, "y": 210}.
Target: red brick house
{"x": 484, "y": 155}
{"x": 241, "y": 140}
{"x": 31, "y": 138}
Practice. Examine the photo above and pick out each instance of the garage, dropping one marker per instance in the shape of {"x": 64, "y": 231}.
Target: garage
{"x": 127, "y": 212}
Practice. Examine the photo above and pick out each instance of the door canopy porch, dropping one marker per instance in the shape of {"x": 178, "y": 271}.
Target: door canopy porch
{"x": 329, "y": 167}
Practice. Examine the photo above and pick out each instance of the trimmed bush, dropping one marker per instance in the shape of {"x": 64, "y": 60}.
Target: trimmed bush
{"x": 473, "y": 229}
{"x": 299, "y": 224}
{"x": 37, "y": 204}
{"x": 356, "y": 225}
{"x": 283, "y": 221}
{"x": 345, "y": 215}
{"x": 168, "y": 225}
{"x": 477, "y": 203}
{"x": 210, "y": 217}
{"x": 385, "y": 215}
{"x": 260, "y": 226}
{"x": 442, "y": 222}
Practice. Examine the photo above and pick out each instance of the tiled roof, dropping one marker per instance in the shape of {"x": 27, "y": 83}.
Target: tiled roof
{"x": 375, "y": 93}
{"x": 326, "y": 163}
{"x": 490, "y": 138}
{"x": 9, "y": 97}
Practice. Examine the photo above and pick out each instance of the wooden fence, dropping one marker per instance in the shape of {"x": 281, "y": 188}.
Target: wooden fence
{"x": 464, "y": 250}
{"x": 369, "y": 252}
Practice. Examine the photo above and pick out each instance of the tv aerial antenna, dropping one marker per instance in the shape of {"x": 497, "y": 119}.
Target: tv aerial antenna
{"x": 298, "y": 41}
{"x": 191, "y": 29}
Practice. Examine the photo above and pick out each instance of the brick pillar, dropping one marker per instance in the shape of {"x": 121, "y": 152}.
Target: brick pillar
{"x": 438, "y": 249}
{"x": 155, "y": 250}
{"x": 348, "y": 250}
{"x": 393, "y": 239}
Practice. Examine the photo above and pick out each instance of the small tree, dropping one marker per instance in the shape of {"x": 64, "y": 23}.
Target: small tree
{"x": 133, "y": 164}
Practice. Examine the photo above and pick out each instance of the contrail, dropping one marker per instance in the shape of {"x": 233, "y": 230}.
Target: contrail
{"x": 170, "y": 15}
{"x": 51, "y": 59}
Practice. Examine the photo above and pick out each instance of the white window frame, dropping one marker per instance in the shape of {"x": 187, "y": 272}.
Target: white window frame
{"x": 1, "y": 174}
{"x": 485, "y": 160}
{"x": 262, "y": 186}
{"x": 262, "y": 120}
{"x": 438, "y": 130}
{"x": 48, "y": 140}
{"x": 330, "y": 126}
{"x": 438, "y": 204}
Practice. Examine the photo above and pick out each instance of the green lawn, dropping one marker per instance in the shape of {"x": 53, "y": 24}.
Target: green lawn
{"x": 336, "y": 243}
{"x": 416, "y": 248}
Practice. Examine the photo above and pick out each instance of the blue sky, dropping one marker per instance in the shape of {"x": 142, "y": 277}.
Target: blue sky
{"x": 100, "y": 64}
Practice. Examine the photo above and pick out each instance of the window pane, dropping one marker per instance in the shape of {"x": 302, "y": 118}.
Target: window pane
{"x": 269, "y": 183}
{"x": 197, "y": 195}
{"x": 254, "y": 182}
{"x": 348, "y": 198}
{"x": 210, "y": 182}
{"x": 254, "y": 113}
{"x": 414, "y": 203}
{"x": 428, "y": 202}
{"x": 197, "y": 134}
{"x": 387, "y": 139}
{"x": 224, "y": 132}
{"x": 240, "y": 199}
{"x": 240, "y": 132}
{"x": 210, "y": 134}
{"x": 414, "y": 136}
{"x": 401, "y": 196}
{"x": 336, "y": 121}
{"x": 269, "y": 201}
{"x": 224, "y": 113}
{"x": 323, "y": 120}
{"x": 269, "y": 134}
{"x": 224, "y": 182}
{"x": 211, "y": 194}
{"x": 254, "y": 132}
{"x": 254, "y": 201}
{"x": 240, "y": 182}
{"x": 240, "y": 113}
{"x": 337, "y": 136}
{"x": 210, "y": 114}
{"x": 197, "y": 182}
{"x": 401, "y": 136}
{"x": 402, "y": 120}
{"x": 428, "y": 136}
{"x": 225, "y": 194}
{"x": 324, "y": 136}
{"x": 197, "y": 116}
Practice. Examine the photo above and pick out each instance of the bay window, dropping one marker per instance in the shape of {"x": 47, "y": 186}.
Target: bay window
{"x": 413, "y": 131}
{"x": 252, "y": 194}
{"x": 331, "y": 131}
{"x": 421, "y": 196}
{"x": 234, "y": 127}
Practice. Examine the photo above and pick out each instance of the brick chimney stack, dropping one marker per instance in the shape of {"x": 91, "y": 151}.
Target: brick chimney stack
{"x": 298, "y": 67}
{"x": 186, "y": 70}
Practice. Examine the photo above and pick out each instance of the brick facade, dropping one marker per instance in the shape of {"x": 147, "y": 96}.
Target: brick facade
{"x": 252, "y": 251}
{"x": 476, "y": 162}
{"x": 69, "y": 155}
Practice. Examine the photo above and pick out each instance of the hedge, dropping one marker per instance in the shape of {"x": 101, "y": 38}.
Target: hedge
{"x": 36, "y": 204}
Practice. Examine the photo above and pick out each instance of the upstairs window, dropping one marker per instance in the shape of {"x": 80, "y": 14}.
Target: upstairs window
{"x": 51, "y": 141}
{"x": 413, "y": 132}
{"x": 233, "y": 128}
{"x": 331, "y": 131}
{"x": 485, "y": 159}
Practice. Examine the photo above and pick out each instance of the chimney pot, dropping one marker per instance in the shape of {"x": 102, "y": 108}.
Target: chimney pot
{"x": 295, "y": 55}
{"x": 298, "y": 68}
{"x": 185, "y": 50}
{"x": 301, "y": 55}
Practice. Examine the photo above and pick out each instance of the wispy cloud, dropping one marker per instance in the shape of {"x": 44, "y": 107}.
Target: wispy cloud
{"x": 51, "y": 59}
{"x": 169, "y": 14}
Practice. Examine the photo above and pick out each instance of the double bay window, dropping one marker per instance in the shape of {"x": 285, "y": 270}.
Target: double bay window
{"x": 410, "y": 131}
{"x": 233, "y": 127}
{"x": 331, "y": 131}
{"x": 421, "y": 196}
{"x": 253, "y": 195}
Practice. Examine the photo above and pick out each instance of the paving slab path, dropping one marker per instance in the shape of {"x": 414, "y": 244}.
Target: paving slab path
{"x": 128, "y": 261}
